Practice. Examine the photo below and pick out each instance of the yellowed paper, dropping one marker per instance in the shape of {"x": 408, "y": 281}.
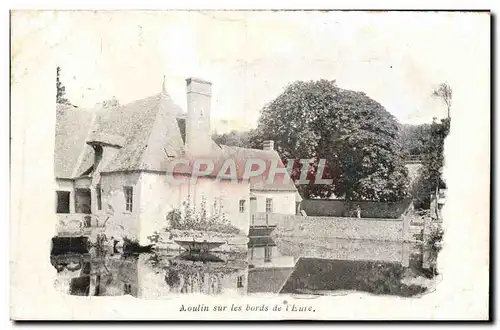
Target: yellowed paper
{"x": 395, "y": 58}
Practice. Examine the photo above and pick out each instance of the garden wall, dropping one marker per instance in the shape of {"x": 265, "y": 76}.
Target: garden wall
{"x": 338, "y": 227}
{"x": 341, "y": 208}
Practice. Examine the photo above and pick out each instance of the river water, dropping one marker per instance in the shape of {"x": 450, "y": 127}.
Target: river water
{"x": 270, "y": 266}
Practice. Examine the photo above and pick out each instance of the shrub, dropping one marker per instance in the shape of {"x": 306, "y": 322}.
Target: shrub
{"x": 155, "y": 238}
{"x": 433, "y": 246}
{"x": 200, "y": 220}
{"x": 435, "y": 239}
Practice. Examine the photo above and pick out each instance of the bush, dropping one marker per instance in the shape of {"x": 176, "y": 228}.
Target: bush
{"x": 202, "y": 221}
{"x": 435, "y": 239}
{"x": 433, "y": 246}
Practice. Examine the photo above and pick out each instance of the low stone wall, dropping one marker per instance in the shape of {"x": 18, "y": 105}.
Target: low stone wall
{"x": 336, "y": 227}
{"x": 341, "y": 208}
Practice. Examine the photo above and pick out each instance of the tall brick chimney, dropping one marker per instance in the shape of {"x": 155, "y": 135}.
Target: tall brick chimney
{"x": 199, "y": 94}
{"x": 268, "y": 145}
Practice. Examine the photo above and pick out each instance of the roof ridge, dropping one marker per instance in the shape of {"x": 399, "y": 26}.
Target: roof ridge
{"x": 246, "y": 148}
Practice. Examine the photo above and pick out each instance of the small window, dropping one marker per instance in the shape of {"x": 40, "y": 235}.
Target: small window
{"x": 267, "y": 254}
{"x": 269, "y": 205}
{"x": 98, "y": 194}
{"x": 128, "y": 198}
{"x": 239, "y": 282}
{"x": 62, "y": 201}
{"x": 97, "y": 156}
{"x": 242, "y": 205}
{"x": 83, "y": 201}
{"x": 127, "y": 288}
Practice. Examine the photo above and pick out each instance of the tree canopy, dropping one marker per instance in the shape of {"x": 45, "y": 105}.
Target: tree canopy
{"x": 356, "y": 136}
{"x": 430, "y": 178}
{"x": 235, "y": 138}
{"x": 413, "y": 138}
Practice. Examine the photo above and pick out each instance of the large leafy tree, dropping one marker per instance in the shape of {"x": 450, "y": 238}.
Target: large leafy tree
{"x": 357, "y": 137}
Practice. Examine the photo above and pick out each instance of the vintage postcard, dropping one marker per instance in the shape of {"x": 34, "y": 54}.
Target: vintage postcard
{"x": 250, "y": 165}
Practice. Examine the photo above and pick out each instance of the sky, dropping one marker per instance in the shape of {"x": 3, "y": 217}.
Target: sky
{"x": 396, "y": 58}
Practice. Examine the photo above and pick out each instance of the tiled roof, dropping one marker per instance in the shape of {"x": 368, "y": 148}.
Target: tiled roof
{"x": 145, "y": 130}
{"x": 148, "y": 137}
{"x": 219, "y": 155}
{"x": 281, "y": 182}
{"x": 149, "y": 129}
{"x": 73, "y": 125}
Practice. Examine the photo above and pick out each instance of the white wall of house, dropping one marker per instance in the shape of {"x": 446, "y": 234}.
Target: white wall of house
{"x": 159, "y": 197}
{"x": 121, "y": 220}
{"x": 154, "y": 197}
{"x": 283, "y": 201}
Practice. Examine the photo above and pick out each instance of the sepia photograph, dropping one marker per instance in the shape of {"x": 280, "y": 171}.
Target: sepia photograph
{"x": 277, "y": 156}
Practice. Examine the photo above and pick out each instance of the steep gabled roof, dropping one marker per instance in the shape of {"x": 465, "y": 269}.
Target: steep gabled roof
{"x": 73, "y": 126}
{"x": 146, "y": 129}
{"x": 149, "y": 129}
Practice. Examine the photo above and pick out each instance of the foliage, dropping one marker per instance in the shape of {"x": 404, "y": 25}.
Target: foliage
{"x": 358, "y": 138}
{"x": 430, "y": 176}
{"x": 172, "y": 277}
{"x": 413, "y": 138}
{"x": 434, "y": 160}
{"x": 191, "y": 219}
{"x": 155, "y": 238}
{"x": 435, "y": 239}
{"x": 433, "y": 245}
{"x": 235, "y": 138}
{"x": 387, "y": 279}
{"x": 445, "y": 93}
{"x": 61, "y": 90}
{"x": 432, "y": 142}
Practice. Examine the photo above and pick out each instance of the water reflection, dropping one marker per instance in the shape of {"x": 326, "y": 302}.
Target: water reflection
{"x": 270, "y": 266}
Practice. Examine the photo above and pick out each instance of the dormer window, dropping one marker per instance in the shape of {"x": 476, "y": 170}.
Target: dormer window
{"x": 97, "y": 155}
{"x": 99, "y": 141}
